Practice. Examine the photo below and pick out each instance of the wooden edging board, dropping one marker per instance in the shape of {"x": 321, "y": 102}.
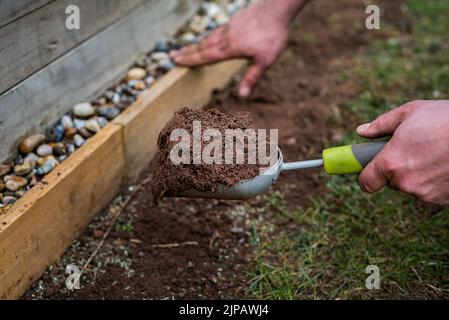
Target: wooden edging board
{"x": 37, "y": 229}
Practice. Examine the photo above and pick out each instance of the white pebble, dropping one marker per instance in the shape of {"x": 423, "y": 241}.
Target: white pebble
{"x": 79, "y": 124}
{"x": 66, "y": 122}
{"x": 44, "y": 150}
{"x": 92, "y": 125}
{"x": 136, "y": 74}
{"x": 78, "y": 140}
{"x": 83, "y": 110}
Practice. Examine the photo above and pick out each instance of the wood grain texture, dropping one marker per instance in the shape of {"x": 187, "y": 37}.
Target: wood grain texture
{"x": 10, "y": 10}
{"x": 36, "y": 230}
{"x": 180, "y": 88}
{"x": 37, "y": 102}
{"x": 35, "y": 40}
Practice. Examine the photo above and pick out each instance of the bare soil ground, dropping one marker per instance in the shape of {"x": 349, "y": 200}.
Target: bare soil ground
{"x": 201, "y": 248}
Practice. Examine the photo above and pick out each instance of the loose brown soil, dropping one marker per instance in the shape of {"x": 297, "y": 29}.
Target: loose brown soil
{"x": 189, "y": 248}
{"x": 171, "y": 179}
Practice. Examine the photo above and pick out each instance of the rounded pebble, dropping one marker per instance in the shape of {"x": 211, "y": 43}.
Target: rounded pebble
{"x": 160, "y": 56}
{"x": 211, "y": 9}
{"x": 14, "y": 183}
{"x": 44, "y": 150}
{"x": 70, "y": 132}
{"x": 136, "y": 74}
{"x": 199, "y": 24}
{"x": 59, "y": 149}
{"x": 108, "y": 112}
{"x": 66, "y": 122}
{"x": 116, "y": 98}
{"x": 161, "y": 46}
{"x": 137, "y": 84}
{"x": 31, "y": 158}
{"x": 4, "y": 169}
{"x": 86, "y": 134}
{"x": 141, "y": 60}
{"x": 78, "y": 140}
{"x": 79, "y": 123}
{"x": 28, "y": 144}
{"x": 70, "y": 148}
{"x": 58, "y": 133}
{"x": 9, "y": 200}
{"x": 188, "y": 38}
{"x": 92, "y": 125}
{"x": 221, "y": 18}
{"x": 167, "y": 65}
{"x": 102, "y": 121}
{"x": 83, "y": 110}
{"x": 23, "y": 169}
{"x": 149, "y": 80}
{"x": 49, "y": 164}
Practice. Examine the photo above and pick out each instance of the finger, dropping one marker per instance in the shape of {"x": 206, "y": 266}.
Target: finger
{"x": 191, "y": 55}
{"x": 374, "y": 177}
{"x": 213, "y": 39}
{"x": 201, "y": 57}
{"x": 383, "y": 125}
{"x": 251, "y": 77}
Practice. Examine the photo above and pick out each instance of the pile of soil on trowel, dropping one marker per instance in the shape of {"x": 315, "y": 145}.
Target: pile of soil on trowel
{"x": 170, "y": 179}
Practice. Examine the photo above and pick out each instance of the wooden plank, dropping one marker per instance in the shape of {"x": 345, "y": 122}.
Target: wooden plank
{"x": 41, "y": 224}
{"x": 180, "y": 88}
{"x": 36, "y": 230}
{"x": 35, "y": 40}
{"x": 12, "y": 10}
{"x": 41, "y": 99}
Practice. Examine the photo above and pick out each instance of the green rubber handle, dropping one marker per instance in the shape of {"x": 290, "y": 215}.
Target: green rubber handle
{"x": 351, "y": 158}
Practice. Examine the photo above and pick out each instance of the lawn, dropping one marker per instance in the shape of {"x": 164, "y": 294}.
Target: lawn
{"x": 339, "y": 234}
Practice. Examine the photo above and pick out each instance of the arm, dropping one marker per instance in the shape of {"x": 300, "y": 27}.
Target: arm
{"x": 258, "y": 32}
{"x": 416, "y": 159}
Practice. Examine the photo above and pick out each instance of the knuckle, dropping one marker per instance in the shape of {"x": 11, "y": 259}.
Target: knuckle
{"x": 426, "y": 195}
{"x": 413, "y": 186}
{"x": 408, "y": 187}
{"x": 413, "y": 104}
{"x": 387, "y": 166}
{"x": 378, "y": 123}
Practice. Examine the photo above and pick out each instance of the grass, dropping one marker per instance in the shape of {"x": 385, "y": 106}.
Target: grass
{"x": 123, "y": 226}
{"x": 322, "y": 251}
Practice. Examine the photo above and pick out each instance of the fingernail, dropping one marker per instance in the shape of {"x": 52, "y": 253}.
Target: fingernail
{"x": 363, "y": 127}
{"x": 244, "y": 91}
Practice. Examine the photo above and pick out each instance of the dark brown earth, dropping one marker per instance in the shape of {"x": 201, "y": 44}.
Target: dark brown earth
{"x": 200, "y": 248}
{"x": 171, "y": 179}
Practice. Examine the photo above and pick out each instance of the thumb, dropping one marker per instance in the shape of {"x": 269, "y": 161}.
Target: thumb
{"x": 251, "y": 77}
{"x": 383, "y": 125}
{"x": 375, "y": 175}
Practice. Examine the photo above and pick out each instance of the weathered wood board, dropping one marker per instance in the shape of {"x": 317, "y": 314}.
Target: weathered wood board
{"x": 35, "y": 231}
{"x": 14, "y": 9}
{"x": 38, "y": 38}
{"x": 39, "y": 100}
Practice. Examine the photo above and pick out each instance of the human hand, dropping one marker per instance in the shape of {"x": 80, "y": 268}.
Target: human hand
{"x": 416, "y": 159}
{"x": 257, "y": 33}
